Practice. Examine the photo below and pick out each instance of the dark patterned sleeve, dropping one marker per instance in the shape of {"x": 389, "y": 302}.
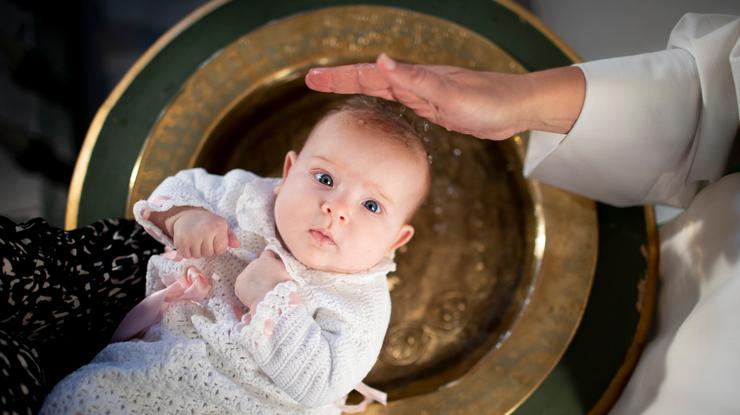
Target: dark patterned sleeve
{"x": 61, "y": 296}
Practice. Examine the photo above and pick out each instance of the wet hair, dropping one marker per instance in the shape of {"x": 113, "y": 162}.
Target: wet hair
{"x": 394, "y": 121}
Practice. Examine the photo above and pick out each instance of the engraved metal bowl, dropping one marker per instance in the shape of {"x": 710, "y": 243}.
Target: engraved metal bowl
{"x": 490, "y": 291}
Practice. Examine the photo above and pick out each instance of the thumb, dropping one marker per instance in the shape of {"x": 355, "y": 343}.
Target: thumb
{"x": 417, "y": 79}
{"x": 233, "y": 240}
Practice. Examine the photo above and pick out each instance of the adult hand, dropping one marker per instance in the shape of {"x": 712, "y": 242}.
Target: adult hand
{"x": 483, "y": 104}
{"x": 259, "y": 278}
{"x": 195, "y": 232}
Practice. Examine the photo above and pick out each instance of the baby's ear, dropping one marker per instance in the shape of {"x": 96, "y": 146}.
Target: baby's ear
{"x": 404, "y": 235}
{"x": 288, "y": 164}
{"x": 290, "y": 158}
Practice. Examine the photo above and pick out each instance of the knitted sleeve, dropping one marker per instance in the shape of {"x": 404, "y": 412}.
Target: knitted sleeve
{"x": 317, "y": 359}
{"x": 197, "y": 188}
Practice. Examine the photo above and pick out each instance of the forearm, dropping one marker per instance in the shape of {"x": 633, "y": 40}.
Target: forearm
{"x": 554, "y": 99}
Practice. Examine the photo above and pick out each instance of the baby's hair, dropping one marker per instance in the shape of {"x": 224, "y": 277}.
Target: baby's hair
{"x": 391, "y": 118}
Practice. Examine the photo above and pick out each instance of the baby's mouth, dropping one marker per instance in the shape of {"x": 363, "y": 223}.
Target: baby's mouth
{"x": 321, "y": 237}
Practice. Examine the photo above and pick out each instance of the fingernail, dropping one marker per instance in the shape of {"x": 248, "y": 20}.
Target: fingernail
{"x": 389, "y": 63}
{"x": 313, "y": 74}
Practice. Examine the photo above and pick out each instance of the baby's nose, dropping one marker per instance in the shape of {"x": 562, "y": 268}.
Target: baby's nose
{"x": 335, "y": 210}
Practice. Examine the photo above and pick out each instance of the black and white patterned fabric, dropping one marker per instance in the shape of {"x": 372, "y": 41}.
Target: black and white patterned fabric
{"x": 61, "y": 296}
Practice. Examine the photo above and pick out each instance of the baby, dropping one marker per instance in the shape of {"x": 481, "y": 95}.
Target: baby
{"x": 274, "y": 298}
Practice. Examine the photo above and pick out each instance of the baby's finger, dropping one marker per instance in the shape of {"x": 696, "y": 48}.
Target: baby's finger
{"x": 206, "y": 246}
{"x": 179, "y": 246}
{"x": 220, "y": 243}
{"x": 195, "y": 249}
{"x": 183, "y": 249}
{"x": 233, "y": 240}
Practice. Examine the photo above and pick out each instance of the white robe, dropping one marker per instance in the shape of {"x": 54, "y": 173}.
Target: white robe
{"x": 297, "y": 355}
{"x": 656, "y": 128}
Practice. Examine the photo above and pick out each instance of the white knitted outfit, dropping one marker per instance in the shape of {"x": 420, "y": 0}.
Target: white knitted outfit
{"x": 291, "y": 358}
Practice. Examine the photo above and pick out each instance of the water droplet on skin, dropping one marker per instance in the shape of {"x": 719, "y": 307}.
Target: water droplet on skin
{"x": 426, "y": 126}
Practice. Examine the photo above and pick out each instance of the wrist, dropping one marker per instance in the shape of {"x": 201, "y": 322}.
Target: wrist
{"x": 253, "y": 304}
{"x": 554, "y": 99}
{"x": 166, "y": 220}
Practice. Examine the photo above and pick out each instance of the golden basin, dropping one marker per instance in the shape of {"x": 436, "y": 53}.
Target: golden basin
{"x": 488, "y": 294}
{"x": 491, "y": 290}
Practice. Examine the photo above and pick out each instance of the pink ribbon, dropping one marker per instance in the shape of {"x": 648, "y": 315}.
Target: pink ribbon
{"x": 370, "y": 395}
{"x": 192, "y": 286}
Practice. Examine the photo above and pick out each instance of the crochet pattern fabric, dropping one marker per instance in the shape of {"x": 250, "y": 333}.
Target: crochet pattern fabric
{"x": 309, "y": 342}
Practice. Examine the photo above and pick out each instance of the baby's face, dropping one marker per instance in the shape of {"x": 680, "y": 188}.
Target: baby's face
{"x": 345, "y": 199}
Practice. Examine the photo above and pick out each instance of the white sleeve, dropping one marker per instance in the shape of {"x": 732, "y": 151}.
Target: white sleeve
{"x": 653, "y": 127}
{"x": 197, "y": 188}
{"x": 317, "y": 359}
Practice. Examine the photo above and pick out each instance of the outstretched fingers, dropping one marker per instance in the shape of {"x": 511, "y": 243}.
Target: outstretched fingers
{"x": 362, "y": 78}
{"x": 423, "y": 88}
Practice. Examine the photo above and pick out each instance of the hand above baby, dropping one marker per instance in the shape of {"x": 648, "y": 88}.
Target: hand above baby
{"x": 488, "y": 105}
{"x": 195, "y": 232}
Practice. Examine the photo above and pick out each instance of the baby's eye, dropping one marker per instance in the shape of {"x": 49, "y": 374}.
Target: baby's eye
{"x": 372, "y": 206}
{"x": 324, "y": 179}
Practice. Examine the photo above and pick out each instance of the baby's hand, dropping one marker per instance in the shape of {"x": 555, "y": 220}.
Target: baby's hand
{"x": 259, "y": 278}
{"x": 197, "y": 232}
